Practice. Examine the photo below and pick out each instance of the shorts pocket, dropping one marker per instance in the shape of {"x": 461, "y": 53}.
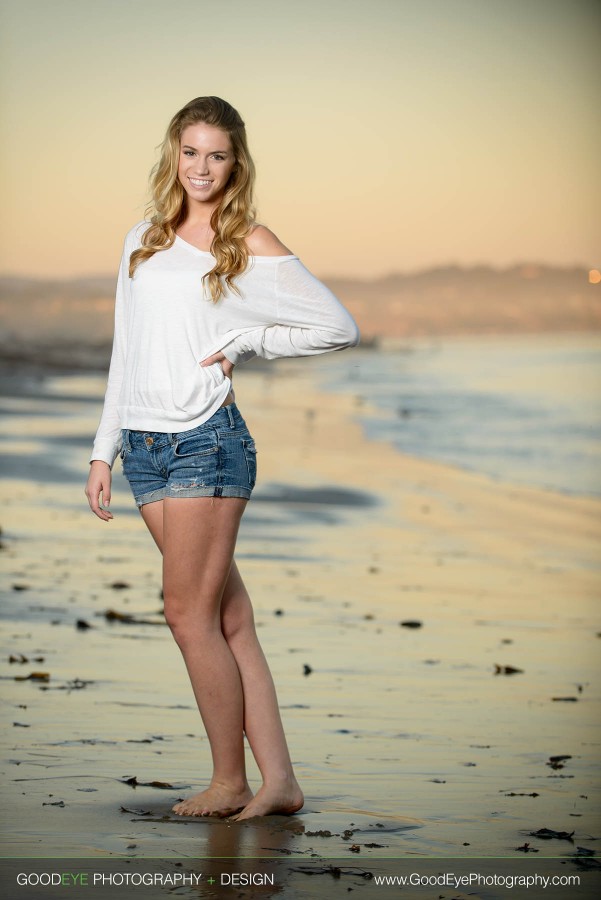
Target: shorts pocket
{"x": 250, "y": 455}
{"x": 195, "y": 444}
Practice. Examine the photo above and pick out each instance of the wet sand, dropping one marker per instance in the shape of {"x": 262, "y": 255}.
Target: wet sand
{"x": 393, "y": 597}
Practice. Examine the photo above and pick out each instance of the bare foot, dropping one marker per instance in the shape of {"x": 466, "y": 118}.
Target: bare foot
{"x": 279, "y": 799}
{"x": 217, "y": 800}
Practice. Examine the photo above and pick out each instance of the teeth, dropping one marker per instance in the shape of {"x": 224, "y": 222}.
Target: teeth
{"x": 199, "y": 181}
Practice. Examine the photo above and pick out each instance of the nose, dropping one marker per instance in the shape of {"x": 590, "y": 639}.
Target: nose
{"x": 202, "y": 167}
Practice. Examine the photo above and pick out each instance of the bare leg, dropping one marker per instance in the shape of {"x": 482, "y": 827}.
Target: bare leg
{"x": 280, "y": 792}
{"x": 197, "y": 540}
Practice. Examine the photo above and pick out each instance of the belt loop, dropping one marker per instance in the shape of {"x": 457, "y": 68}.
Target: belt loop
{"x": 230, "y": 415}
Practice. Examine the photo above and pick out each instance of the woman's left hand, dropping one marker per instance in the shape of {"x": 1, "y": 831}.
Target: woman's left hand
{"x": 226, "y": 365}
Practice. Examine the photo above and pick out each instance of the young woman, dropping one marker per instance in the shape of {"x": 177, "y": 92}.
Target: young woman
{"x": 201, "y": 288}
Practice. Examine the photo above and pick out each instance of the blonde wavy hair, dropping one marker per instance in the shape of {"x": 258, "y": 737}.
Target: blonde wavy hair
{"x": 232, "y": 219}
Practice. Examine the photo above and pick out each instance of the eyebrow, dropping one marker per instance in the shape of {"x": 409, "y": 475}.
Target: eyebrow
{"x": 188, "y": 147}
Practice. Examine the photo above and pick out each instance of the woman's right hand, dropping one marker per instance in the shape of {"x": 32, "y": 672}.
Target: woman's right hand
{"x": 99, "y": 482}
{"x": 226, "y": 366}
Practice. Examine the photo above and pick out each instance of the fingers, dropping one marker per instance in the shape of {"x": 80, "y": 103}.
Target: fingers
{"x": 216, "y": 357}
{"x": 99, "y": 483}
{"x": 227, "y": 367}
{"x": 97, "y": 509}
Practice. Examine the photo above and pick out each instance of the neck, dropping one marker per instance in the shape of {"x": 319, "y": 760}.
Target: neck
{"x": 199, "y": 215}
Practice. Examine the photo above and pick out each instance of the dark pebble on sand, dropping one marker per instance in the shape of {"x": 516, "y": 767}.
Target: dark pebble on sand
{"x": 82, "y": 625}
{"x": 278, "y": 612}
{"x": 526, "y": 848}
{"x": 120, "y": 585}
{"x": 411, "y": 623}
{"x": 111, "y": 615}
{"x": 161, "y": 785}
{"x": 507, "y": 670}
{"x": 34, "y": 676}
{"x": 18, "y": 658}
{"x": 20, "y": 587}
{"x": 548, "y": 833}
{"x": 355, "y": 848}
{"x": 564, "y": 699}
{"x": 20, "y": 725}
{"x": 514, "y": 794}
{"x": 60, "y": 803}
{"x": 307, "y": 669}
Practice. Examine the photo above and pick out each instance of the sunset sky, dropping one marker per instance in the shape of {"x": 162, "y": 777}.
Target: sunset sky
{"x": 389, "y": 135}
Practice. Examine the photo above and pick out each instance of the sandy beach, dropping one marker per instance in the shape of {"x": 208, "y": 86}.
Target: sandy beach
{"x": 433, "y": 635}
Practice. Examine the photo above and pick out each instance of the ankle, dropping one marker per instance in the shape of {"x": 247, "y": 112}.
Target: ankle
{"x": 280, "y": 779}
{"x": 236, "y": 785}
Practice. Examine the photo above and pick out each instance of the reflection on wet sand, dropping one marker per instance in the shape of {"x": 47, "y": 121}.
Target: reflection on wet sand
{"x": 408, "y": 741}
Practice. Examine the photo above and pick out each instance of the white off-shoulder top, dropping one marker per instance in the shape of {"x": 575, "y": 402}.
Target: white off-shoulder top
{"x": 166, "y": 323}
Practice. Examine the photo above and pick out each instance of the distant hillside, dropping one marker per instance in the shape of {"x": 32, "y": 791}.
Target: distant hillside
{"x": 71, "y": 321}
{"x": 477, "y": 300}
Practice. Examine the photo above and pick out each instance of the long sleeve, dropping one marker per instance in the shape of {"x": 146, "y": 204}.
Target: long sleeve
{"x": 309, "y": 320}
{"x": 108, "y": 437}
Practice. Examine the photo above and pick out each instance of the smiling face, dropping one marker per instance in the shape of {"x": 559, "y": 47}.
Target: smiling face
{"x": 206, "y": 161}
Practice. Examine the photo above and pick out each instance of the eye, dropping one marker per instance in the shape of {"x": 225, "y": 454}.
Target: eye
{"x": 218, "y": 156}
{"x": 188, "y": 152}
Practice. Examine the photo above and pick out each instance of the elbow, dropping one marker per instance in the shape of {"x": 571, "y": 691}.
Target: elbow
{"x": 349, "y": 335}
{"x": 355, "y": 336}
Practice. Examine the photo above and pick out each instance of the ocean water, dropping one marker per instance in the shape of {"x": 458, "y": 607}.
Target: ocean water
{"x": 523, "y": 409}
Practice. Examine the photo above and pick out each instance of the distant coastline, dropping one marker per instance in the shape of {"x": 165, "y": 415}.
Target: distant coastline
{"x": 69, "y": 322}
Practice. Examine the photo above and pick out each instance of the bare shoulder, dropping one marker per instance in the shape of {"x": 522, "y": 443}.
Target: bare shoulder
{"x": 263, "y": 242}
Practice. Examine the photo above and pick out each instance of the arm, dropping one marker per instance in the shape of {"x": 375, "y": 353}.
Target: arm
{"x": 310, "y": 320}
{"x": 261, "y": 242}
{"x": 108, "y": 436}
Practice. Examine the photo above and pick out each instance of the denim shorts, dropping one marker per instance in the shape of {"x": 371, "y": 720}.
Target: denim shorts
{"x": 215, "y": 459}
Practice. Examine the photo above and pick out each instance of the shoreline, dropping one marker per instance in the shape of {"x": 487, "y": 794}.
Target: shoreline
{"x": 408, "y": 727}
